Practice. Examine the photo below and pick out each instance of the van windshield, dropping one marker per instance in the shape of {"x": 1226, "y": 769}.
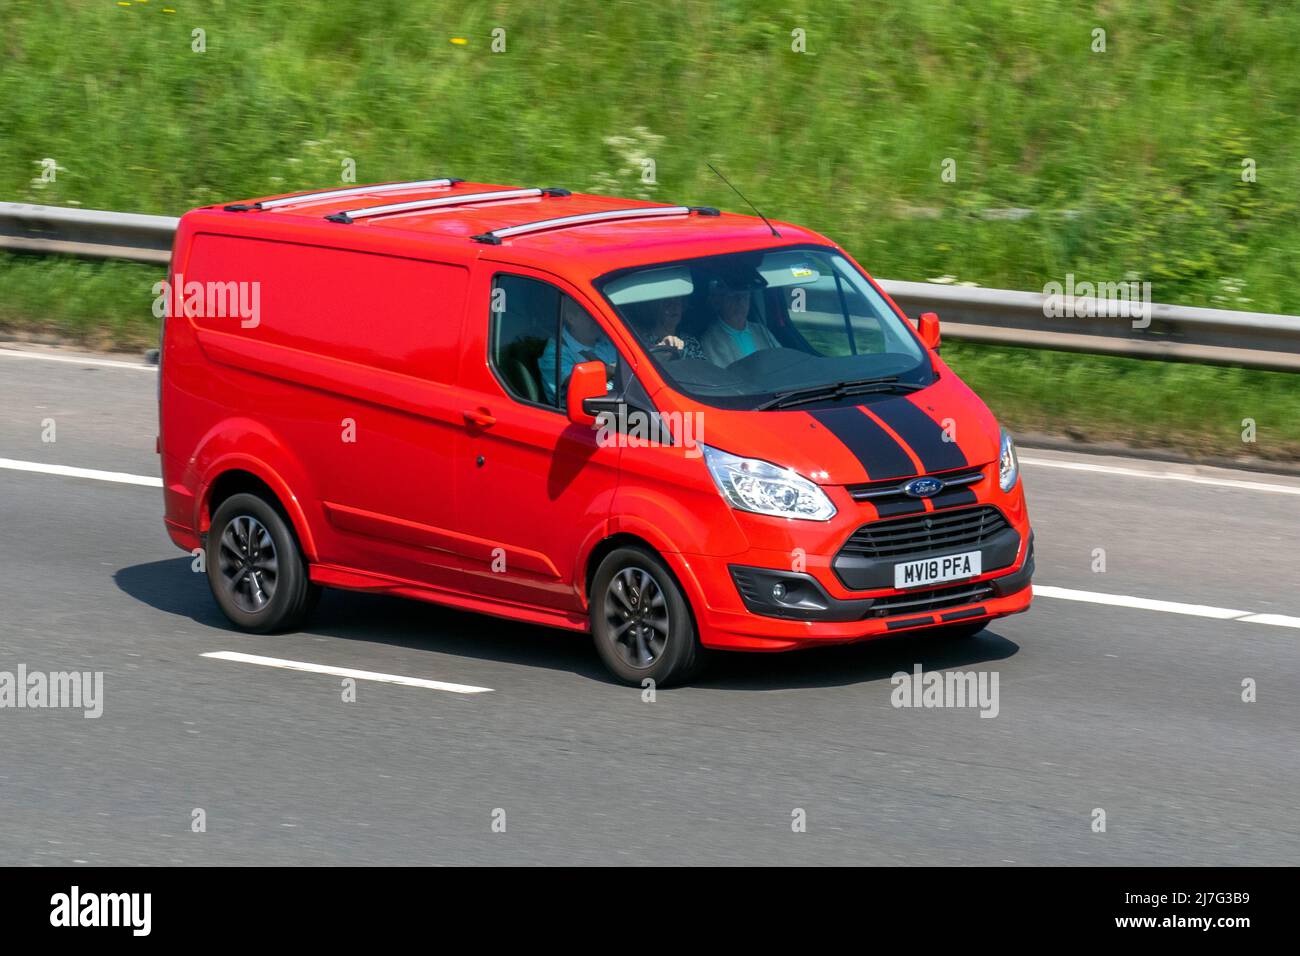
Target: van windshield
{"x": 769, "y": 328}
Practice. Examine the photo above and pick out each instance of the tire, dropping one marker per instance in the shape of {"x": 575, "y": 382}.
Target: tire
{"x": 266, "y": 589}
{"x": 641, "y": 621}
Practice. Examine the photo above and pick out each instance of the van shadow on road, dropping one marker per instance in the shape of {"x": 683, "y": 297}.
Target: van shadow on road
{"x": 171, "y": 587}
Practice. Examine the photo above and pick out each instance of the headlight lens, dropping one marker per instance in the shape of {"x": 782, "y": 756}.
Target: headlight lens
{"x": 766, "y": 489}
{"x": 1008, "y": 464}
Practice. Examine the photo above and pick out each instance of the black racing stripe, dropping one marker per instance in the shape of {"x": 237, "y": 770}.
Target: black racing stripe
{"x": 880, "y": 454}
{"x": 904, "y": 506}
{"x": 922, "y": 432}
{"x": 951, "y": 497}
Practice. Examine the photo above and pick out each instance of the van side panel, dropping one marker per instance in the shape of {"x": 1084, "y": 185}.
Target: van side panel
{"x": 382, "y": 312}
{"x": 340, "y": 381}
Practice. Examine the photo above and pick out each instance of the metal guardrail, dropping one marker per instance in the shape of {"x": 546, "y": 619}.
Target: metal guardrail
{"x": 992, "y": 316}
{"x": 93, "y": 233}
{"x": 1175, "y": 333}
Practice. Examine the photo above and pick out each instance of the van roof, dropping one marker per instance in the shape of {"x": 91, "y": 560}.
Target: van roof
{"x": 582, "y": 250}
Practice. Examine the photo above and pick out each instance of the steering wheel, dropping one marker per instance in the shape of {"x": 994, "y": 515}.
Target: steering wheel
{"x": 671, "y": 351}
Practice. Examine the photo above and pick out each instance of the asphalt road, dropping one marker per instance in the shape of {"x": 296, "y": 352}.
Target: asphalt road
{"x": 1133, "y": 710}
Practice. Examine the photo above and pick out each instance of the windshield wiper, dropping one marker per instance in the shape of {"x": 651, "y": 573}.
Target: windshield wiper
{"x": 817, "y": 393}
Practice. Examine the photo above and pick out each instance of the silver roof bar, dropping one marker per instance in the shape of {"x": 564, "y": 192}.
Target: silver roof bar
{"x": 467, "y": 199}
{"x": 610, "y": 215}
{"x": 321, "y": 195}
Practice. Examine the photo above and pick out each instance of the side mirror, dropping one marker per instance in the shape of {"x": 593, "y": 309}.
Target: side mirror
{"x": 587, "y": 381}
{"x": 927, "y": 324}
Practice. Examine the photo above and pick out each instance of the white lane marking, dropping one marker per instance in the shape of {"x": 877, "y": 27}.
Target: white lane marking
{"x": 1144, "y": 604}
{"x": 68, "y": 471}
{"x": 73, "y": 360}
{"x": 1168, "y": 607}
{"x": 1161, "y": 475}
{"x": 1278, "y": 620}
{"x": 346, "y": 672}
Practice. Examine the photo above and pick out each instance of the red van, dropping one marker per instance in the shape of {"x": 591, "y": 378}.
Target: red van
{"x": 675, "y": 428}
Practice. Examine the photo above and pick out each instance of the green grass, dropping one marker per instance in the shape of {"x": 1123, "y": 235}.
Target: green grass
{"x": 98, "y": 304}
{"x": 1141, "y": 144}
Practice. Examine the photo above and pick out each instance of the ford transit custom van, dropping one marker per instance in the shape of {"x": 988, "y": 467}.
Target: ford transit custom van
{"x": 677, "y": 429}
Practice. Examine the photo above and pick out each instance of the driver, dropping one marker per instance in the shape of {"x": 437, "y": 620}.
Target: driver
{"x": 658, "y": 323}
{"x": 732, "y": 336}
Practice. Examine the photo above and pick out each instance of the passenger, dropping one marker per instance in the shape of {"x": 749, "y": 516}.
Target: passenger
{"x": 731, "y": 336}
{"x": 583, "y": 341}
{"x": 660, "y": 319}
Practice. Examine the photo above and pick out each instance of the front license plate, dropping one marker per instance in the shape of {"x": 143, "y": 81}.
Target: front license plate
{"x": 952, "y": 567}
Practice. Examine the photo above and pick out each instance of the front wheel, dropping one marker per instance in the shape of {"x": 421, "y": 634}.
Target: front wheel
{"x": 641, "y": 621}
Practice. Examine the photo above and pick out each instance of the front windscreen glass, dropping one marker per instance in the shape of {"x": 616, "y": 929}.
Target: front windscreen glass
{"x": 773, "y": 328}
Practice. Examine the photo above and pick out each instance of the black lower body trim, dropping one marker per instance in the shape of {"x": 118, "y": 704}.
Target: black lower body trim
{"x": 792, "y": 595}
{"x": 1019, "y": 580}
{"x": 910, "y": 622}
{"x": 962, "y": 615}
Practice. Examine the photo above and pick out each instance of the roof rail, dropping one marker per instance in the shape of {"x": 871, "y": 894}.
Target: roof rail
{"x": 467, "y": 199}
{"x": 323, "y": 194}
{"x": 610, "y": 215}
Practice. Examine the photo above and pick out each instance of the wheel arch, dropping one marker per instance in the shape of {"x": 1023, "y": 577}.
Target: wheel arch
{"x": 231, "y": 477}
{"x": 677, "y": 567}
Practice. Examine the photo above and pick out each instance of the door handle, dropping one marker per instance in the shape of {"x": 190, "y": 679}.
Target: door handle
{"x": 479, "y": 417}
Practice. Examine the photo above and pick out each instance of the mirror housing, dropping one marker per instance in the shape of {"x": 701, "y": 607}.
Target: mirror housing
{"x": 927, "y": 325}
{"x": 587, "y": 381}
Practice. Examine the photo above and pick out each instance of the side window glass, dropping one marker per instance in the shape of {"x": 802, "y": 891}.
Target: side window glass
{"x": 538, "y": 335}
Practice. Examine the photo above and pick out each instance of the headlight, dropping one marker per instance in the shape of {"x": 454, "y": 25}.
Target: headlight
{"x": 764, "y": 488}
{"x": 1008, "y": 463}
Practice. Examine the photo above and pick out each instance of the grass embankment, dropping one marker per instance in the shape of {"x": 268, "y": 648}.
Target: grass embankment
{"x": 1130, "y": 159}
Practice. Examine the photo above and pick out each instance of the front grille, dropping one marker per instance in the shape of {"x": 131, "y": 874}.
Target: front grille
{"x": 892, "y": 488}
{"x": 923, "y": 534}
{"x": 935, "y": 599}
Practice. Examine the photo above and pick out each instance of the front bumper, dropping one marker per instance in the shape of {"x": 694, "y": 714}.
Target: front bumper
{"x": 804, "y": 612}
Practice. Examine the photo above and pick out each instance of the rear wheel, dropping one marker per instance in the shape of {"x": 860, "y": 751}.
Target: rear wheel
{"x": 641, "y": 621}
{"x": 255, "y": 568}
